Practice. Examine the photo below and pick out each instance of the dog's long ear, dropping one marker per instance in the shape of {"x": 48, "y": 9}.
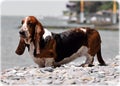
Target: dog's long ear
{"x": 21, "y": 47}
{"x": 37, "y": 37}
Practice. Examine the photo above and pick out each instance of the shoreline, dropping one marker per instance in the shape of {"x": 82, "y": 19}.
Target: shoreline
{"x": 62, "y": 23}
{"x": 68, "y": 74}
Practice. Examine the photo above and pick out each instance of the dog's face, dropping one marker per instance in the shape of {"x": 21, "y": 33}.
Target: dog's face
{"x": 28, "y": 28}
{"x": 30, "y": 31}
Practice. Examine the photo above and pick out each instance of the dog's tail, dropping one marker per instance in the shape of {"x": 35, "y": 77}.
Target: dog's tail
{"x": 100, "y": 59}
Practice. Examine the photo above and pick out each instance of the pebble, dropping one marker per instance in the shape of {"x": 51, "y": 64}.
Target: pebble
{"x": 49, "y": 69}
{"x": 46, "y": 81}
{"x": 68, "y": 74}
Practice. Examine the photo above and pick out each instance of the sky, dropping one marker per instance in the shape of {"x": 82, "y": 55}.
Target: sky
{"x": 33, "y": 7}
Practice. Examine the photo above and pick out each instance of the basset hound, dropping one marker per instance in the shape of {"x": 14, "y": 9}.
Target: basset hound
{"x": 54, "y": 49}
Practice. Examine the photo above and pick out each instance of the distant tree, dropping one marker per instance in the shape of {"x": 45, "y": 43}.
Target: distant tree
{"x": 93, "y": 6}
{"x": 107, "y": 5}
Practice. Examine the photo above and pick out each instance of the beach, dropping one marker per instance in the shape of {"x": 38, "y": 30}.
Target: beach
{"x": 70, "y": 74}
{"x": 10, "y": 38}
{"x": 21, "y": 70}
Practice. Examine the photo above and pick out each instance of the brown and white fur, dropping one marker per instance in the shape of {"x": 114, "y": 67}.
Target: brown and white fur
{"x": 54, "y": 49}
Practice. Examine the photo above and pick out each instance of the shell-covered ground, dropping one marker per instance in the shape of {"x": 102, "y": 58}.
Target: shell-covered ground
{"x": 68, "y": 74}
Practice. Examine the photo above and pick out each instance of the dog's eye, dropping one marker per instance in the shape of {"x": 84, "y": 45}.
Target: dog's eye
{"x": 30, "y": 23}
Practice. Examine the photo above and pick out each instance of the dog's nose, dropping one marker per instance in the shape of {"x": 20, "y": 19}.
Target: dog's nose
{"x": 22, "y": 32}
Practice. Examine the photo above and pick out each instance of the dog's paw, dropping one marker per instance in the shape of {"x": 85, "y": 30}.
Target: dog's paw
{"x": 86, "y": 65}
{"x": 103, "y": 64}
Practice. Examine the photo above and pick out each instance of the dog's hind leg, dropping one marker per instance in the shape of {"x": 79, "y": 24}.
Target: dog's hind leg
{"x": 89, "y": 60}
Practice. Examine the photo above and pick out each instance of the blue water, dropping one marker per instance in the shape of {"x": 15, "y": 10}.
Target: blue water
{"x": 10, "y": 37}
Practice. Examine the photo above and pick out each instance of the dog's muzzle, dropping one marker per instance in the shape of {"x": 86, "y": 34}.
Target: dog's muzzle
{"x": 22, "y": 34}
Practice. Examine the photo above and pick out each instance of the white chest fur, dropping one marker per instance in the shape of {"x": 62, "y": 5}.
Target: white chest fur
{"x": 42, "y": 62}
{"x": 31, "y": 51}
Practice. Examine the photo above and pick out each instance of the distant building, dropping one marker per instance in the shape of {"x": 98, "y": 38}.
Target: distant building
{"x": 99, "y": 17}
{"x": 74, "y": 11}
